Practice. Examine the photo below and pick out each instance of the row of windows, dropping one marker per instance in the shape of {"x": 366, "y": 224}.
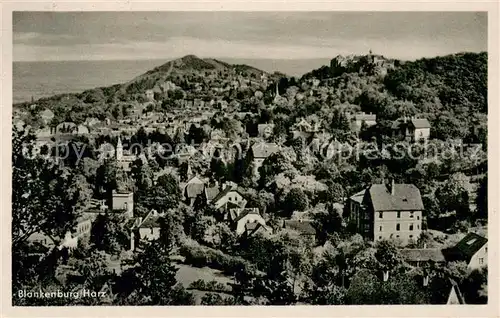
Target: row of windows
{"x": 398, "y": 227}
{"x": 381, "y": 215}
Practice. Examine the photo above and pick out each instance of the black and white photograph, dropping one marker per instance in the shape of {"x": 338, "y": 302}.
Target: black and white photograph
{"x": 249, "y": 158}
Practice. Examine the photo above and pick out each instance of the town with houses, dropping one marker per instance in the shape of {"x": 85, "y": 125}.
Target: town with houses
{"x": 206, "y": 183}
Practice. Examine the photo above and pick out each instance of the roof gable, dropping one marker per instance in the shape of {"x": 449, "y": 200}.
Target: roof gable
{"x": 247, "y": 211}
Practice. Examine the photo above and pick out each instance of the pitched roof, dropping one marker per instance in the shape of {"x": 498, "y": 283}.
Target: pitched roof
{"x": 304, "y": 227}
{"x": 358, "y": 197}
{"x": 211, "y": 192}
{"x": 224, "y": 192}
{"x": 422, "y": 254}
{"x": 456, "y": 290}
{"x": 264, "y": 149}
{"x": 406, "y": 197}
{"x": 420, "y": 123}
{"x": 192, "y": 190}
{"x": 246, "y": 212}
{"x": 468, "y": 246}
{"x": 254, "y": 227}
{"x": 151, "y": 220}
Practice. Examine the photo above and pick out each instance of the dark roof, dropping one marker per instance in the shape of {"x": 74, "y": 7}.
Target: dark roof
{"x": 422, "y": 254}
{"x": 420, "y": 123}
{"x": 254, "y": 227}
{"x": 406, "y": 197}
{"x": 467, "y": 247}
{"x": 264, "y": 150}
{"x": 221, "y": 194}
{"x": 304, "y": 227}
{"x": 246, "y": 212}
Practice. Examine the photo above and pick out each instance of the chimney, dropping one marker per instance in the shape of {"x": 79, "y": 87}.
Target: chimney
{"x": 390, "y": 187}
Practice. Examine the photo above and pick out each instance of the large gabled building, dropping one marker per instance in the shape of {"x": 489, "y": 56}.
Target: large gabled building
{"x": 387, "y": 211}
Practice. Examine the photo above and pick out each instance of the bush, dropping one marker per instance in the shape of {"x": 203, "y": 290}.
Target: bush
{"x": 212, "y": 286}
{"x": 200, "y": 256}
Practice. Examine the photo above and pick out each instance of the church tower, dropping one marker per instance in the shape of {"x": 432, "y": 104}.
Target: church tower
{"x": 119, "y": 150}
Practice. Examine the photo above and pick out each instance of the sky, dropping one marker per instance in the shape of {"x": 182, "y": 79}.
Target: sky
{"x": 58, "y": 36}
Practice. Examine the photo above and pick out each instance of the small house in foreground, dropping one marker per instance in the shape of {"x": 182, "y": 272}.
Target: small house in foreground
{"x": 473, "y": 249}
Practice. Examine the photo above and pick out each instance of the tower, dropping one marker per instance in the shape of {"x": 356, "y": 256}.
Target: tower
{"x": 119, "y": 150}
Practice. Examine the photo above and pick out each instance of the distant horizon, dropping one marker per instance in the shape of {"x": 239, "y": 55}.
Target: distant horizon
{"x": 243, "y": 58}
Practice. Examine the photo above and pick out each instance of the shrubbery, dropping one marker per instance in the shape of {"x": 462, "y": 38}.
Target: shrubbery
{"x": 212, "y": 286}
{"x": 200, "y": 256}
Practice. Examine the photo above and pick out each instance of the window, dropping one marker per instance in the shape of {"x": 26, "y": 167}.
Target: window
{"x": 418, "y": 227}
{"x": 380, "y": 229}
{"x": 418, "y": 217}
{"x": 411, "y": 227}
{"x": 411, "y": 236}
{"x": 398, "y": 227}
{"x": 380, "y": 215}
{"x": 380, "y": 237}
{"x": 151, "y": 230}
{"x": 397, "y": 236}
{"x": 399, "y": 214}
{"x": 411, "y": 214}
{"x": 481, "y": 261}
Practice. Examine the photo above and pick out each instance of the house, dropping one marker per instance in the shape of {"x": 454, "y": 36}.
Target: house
{"x": 147, "y": 229}
{"x": 368, "y": 119}
{"x": 123, "y": 202}
{"x": 41, "y": 239}
{"x": 412, "y": 129}
{"x": 418, "y": 257}
{"x": 303, "y": 227}
{"x": 387, "y": 211}
{"x": 455, "y": 297}
{"x": 260, "y": 151}
{"x": 192, "y": 189}
{"x": 227, "y": 198}
{"x": 473, "y": 249}
{"x": 247, "y": 220}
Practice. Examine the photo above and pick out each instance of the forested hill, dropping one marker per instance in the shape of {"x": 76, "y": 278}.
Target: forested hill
{"x": 450, "y": 91}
